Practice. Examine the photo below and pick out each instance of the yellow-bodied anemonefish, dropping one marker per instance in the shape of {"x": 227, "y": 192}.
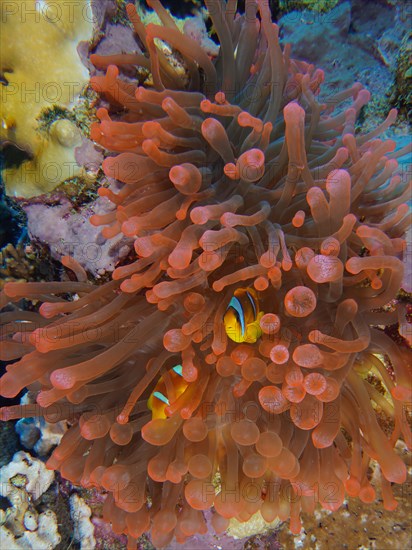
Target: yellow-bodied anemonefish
{"x": 242, "y": 316}
{"x": 168, "y": 389}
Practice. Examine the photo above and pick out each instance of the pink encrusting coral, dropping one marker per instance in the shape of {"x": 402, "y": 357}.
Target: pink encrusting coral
{"x": 234, "y": 176}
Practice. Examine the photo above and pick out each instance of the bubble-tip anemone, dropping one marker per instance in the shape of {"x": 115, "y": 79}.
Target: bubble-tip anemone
{"x": 240, "y": 177}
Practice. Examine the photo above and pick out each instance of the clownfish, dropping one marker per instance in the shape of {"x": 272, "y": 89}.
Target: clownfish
{"x": 242, "y": 316}
{"x": 168, "y": 389}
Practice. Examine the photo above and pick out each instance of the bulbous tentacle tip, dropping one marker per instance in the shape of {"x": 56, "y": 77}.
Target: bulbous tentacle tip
{"x": 9, "y": 385}
{"x": 352, "y": 486}
{"x": 5, "y": 412}
{"x": 199, "y": 494}
{"x": 295, "y": 526}
{"x": 131, "y": 9}
{"x": 395, "y": 471}
{"x": 402, "y": 393}
{"x": 62, "y": 379}
{"x": 48, "y": 310}
{"x": 95, "y": 84}
{"x": 300, "y": 301}
{"x": 160, "y": 431}
{"x": 293, "y": 113}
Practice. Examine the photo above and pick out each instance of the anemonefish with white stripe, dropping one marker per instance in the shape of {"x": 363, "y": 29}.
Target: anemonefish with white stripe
{"x": 168, "y": 389}
{"x": 242, "y": 316}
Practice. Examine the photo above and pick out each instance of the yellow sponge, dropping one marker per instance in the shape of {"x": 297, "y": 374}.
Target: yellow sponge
{"x": 42, "y": 68}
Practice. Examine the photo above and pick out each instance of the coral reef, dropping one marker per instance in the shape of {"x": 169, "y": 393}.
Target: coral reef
{"x": 57, "y": 498}
{"x": 8, "y": 441}
{"x": 402, "y": 95}
{"x": 37, "y": 479}
{"x": 320, "y": 6}
{"x": 14, "y": 265}
{"x": 232, "y": 176}
{"x": 107, "y": 540}
{"x": 40, "y": 534}
{"x": 22, "y": 482}
{"x": 255, "y": 525}
{"x": 370, "y": 526}
{"x": 67, "y": 231}
{"x": 12, "y": 223}
{"x": 26, "y": 262}
{"x": 37, "y": 434}
{"x": 351, "y": 42}
{"x": 407, "y": 280}
{"x": 83, "y": 531}
{"x": 36, "y": 80}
